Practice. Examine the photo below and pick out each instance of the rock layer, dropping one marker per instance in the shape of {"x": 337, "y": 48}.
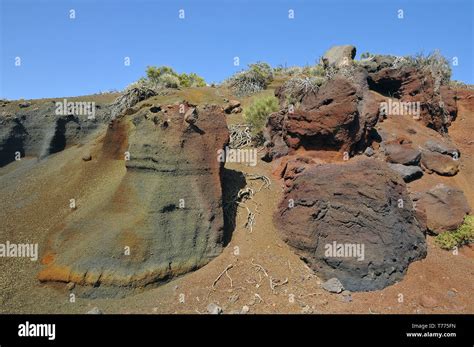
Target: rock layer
{"x": 166, "y": 213}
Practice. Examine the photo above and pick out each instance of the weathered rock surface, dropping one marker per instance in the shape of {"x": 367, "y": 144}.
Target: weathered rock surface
{"x": 41, "y": 132}
{"x": 166, "y": 213}
{"x": 350, "y": 204}
{"x": 443, "y": 147}
{"x": 338, "y": 116}
{"x": 339, "y": 55}
{"x": 444, "y": 165}
{"x": 233, "y": 107}
{"x": 403, "y": 153}
{"x": 445, "y": 208}
{"x": 437, "y": 102}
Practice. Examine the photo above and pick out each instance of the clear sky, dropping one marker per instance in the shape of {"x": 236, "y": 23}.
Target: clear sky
{"x": 68, "y": 57}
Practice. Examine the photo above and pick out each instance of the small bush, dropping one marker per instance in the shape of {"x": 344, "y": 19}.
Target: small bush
{"x": 256, "y": 115}
{"x": 366, "y": 55}
{"x": 191, "y": 80}
{"x": 256, "y": 78}
{"x": 463, "y": 235}
{"x": 166, "y": 77}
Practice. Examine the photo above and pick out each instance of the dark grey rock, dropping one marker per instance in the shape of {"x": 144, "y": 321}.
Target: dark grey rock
{"x": 408, "y": 173}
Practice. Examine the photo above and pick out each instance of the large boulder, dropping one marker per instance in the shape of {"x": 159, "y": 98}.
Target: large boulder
{"x": 352, "y": 221}
{"x": 339, "y": 56}
{"x": 166, "y": 212}
{"x": 442, "y": 164}
{"x": 445, "y": 208}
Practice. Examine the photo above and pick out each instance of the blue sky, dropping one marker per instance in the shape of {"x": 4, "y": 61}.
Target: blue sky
{"x": 68, "y": 57}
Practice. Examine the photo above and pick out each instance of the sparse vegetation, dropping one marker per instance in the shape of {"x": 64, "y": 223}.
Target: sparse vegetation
{"x": 462, "y": 236}
{"x": 256, "y": 115}
{"x": 366, "y": 55}
{"x": 296, "y": 87}
{"x": 256, "y": 78}
{"x": 165, "y": 77}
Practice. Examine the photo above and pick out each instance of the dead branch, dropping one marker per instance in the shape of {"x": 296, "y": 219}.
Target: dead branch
{"x": 277, "y": 283}
{"x": 240, "y": 136}
{"x": 259, "y": 267}
{"x": 266, "y": 181}
{"x": 230, "y": 266}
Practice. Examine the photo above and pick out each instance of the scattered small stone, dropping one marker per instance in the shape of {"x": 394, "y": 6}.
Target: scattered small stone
{"x": 333, "y": 285}
{"x": 95, "y": 310}
{"x": 306, "y": 310}
{"x": 214, "y": 309}
{"x": 369, "y": 151}
{"x": 70, "y": 286}
{"x": 87, "y": 157}
{"x": 451, "y": 293}
{"x": 233, "y": 104}
{"x": 428, "y": 301}
{"x": 347, "y": 298}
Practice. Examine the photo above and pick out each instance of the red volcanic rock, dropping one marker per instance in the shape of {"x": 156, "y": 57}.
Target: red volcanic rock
{"x": 338, "y": 116}
{"x": 437, "y": 102}
{"x": 445, "y": 208}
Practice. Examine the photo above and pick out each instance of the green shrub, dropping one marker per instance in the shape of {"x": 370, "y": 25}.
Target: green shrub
{"x": 256, "y": 115}
{"x": 366, "y": 55}
{"x": 463, "y": 235}
{"x": 166, "y": 77}
{"x": 191, "y": 80}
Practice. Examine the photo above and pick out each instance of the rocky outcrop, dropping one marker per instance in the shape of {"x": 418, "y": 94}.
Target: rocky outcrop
{"x": 445, "y": 208}
{"x": 408, "y": 84}
{"x": 352, "y": 221}
{"x": 339, "y": 116}
{"x": 165, "y": 218}
{"x": 39, "y": 132}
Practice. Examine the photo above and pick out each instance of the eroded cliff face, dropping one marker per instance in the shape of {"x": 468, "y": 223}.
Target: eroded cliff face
{"x": 165, "y": 218}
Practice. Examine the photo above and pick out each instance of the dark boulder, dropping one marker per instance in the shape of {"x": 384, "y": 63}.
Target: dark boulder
{"x": 360, "y": 208}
